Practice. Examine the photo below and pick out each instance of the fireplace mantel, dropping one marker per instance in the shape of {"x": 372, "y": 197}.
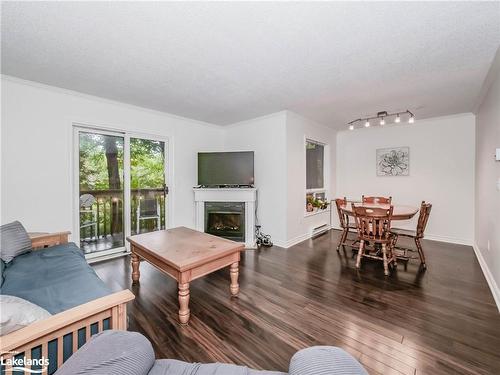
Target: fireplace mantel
{"x": 245, "y": 195}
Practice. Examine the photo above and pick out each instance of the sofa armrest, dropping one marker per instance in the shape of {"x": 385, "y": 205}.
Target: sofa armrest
{"x": 324, "y": 360}
{"x": 112, "y": 306}
{"x": 41, "y": 240}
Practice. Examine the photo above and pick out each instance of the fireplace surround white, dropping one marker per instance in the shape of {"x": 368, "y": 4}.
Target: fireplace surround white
{"x": 244, "y": 195}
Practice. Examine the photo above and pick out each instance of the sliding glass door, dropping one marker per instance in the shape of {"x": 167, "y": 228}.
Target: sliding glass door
{"x": 148, "y": 185}
{"x": 121, "y": 188}
{"x": 101, "y": 191}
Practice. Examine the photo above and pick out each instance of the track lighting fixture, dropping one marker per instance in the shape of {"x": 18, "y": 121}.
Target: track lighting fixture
{"x": 382, "y": 116}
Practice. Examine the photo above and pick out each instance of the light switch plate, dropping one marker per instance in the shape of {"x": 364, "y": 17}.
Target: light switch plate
{"x": 498, "y": 155}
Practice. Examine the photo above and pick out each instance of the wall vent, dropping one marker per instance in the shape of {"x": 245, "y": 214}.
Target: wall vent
{"x": 319, "y": 230}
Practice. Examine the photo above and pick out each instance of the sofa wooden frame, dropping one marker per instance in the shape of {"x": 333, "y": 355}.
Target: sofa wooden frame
{"x": 111, "y": 308}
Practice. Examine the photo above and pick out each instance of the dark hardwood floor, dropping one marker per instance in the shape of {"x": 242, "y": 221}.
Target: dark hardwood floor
{"x": 442, "y": 321}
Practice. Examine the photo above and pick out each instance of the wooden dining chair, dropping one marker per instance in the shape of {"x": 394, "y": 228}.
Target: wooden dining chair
{"x": 418, "y": 234}
{"x": 374, "y": 225}
{"x": 344, "y": 222}
{"x": 376, "y": 200}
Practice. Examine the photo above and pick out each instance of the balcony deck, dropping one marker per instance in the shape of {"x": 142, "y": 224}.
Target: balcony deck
{"x": 93, "y": 245}
{"x": 102, "y": 226}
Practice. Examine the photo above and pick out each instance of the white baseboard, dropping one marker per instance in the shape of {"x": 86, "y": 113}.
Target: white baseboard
{"x": 296, "y": 240}
{"x": 495, "y": 290}
{"x": 107, "y": 257}
{"x": 435, "y": 237}
{"x": 458, "y": 241}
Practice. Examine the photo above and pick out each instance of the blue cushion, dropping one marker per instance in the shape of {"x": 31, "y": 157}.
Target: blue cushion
{"x": 14, "y": 241}
{"x": 2, "y": 267}
{"x": 56, "y": 278}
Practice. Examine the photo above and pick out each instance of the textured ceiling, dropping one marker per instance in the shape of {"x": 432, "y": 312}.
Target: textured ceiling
{"x": 227, "y": 62}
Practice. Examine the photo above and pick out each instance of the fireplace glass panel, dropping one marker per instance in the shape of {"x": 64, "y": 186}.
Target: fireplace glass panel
{"x": 225, "y": 219}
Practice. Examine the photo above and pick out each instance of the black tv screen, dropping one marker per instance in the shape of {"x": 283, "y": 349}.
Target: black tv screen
{"x": 225, "y": 168}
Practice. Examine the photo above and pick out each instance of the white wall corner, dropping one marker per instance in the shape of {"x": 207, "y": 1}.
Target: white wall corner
{"x": 488, "y": 81}
{"x": 495, "y": 290}
{"x": 308, "y": 120}
{"x": 281, "y": 114}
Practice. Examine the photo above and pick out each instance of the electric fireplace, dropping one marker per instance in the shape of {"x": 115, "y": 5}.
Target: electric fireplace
{"x": 225, "y": 219}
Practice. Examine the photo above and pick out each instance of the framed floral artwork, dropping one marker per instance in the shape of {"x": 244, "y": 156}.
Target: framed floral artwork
{"x": 393, "y": 161}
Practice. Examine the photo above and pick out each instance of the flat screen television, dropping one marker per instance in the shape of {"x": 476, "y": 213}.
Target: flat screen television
{"x": 225, "y": 168}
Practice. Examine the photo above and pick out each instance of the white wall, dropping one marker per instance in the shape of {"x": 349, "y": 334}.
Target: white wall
{"x": 441, "y": 171}
{"x": 266, "y": 137}
{"x": 298, "y": 129}
{"x": 487, "y": 194}
{"x": 37, "y": 142}
{"x": 37, "y": 168}
{"x": 280, "y": 171}
{"x": 36, "y": 165}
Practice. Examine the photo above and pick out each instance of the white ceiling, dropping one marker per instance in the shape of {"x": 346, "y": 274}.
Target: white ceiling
{"x": 227, "y": 62}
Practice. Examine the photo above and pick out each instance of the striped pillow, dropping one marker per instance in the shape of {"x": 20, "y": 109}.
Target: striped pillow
{"x": 112, "y": 353}
{"x": 14, "y": 241}
{"x": 324, "y": 360}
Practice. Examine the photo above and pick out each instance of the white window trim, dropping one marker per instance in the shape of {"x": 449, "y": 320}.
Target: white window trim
{"x": 326, "y": 175}
{"x": 320, "y": 190}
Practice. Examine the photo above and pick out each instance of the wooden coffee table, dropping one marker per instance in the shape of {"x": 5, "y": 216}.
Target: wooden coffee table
{"x": 185, "y": 255}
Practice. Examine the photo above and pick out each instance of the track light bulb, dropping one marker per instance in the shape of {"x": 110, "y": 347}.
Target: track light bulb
{"x": 382, "y": 122}
{"x": 351, "y": 127}
{"x": 411, "y": 120}
{"x": 367, "y": 124}
{"x": 398, "y": 119}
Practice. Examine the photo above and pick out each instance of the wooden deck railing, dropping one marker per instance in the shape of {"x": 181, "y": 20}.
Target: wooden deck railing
{"x": 108, "y": 209}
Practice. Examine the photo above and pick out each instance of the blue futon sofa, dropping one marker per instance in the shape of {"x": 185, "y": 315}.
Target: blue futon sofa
{"x": 56, "y": 278}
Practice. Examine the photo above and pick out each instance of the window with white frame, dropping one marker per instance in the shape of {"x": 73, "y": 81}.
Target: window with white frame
{"x": 315, "y": 176}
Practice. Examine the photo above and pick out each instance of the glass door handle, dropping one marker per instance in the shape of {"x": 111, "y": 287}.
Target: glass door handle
{"x": 165, "y": 189}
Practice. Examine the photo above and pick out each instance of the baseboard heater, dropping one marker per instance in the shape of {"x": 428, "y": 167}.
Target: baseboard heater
{"x": 318, "y": 231}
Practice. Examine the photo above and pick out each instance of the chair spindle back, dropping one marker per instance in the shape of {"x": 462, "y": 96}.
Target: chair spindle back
{"x": 339, "y": 202}
{"x": 373, "y": 224}
{"x": 423, "y": 218}
{"x": 376, "y": 200}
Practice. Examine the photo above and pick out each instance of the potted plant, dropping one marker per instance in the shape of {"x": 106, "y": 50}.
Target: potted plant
{"x": 314, "y": 204}
{"x": 310, "y": 203}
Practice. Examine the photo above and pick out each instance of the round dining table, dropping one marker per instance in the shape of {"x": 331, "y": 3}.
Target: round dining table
{"x": 400, "y": 211}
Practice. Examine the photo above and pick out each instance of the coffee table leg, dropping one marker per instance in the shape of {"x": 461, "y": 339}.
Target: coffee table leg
{"x": 136, "y": 274}
{"x": 184, "y": 303}
{"x": 235, "y": 288}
